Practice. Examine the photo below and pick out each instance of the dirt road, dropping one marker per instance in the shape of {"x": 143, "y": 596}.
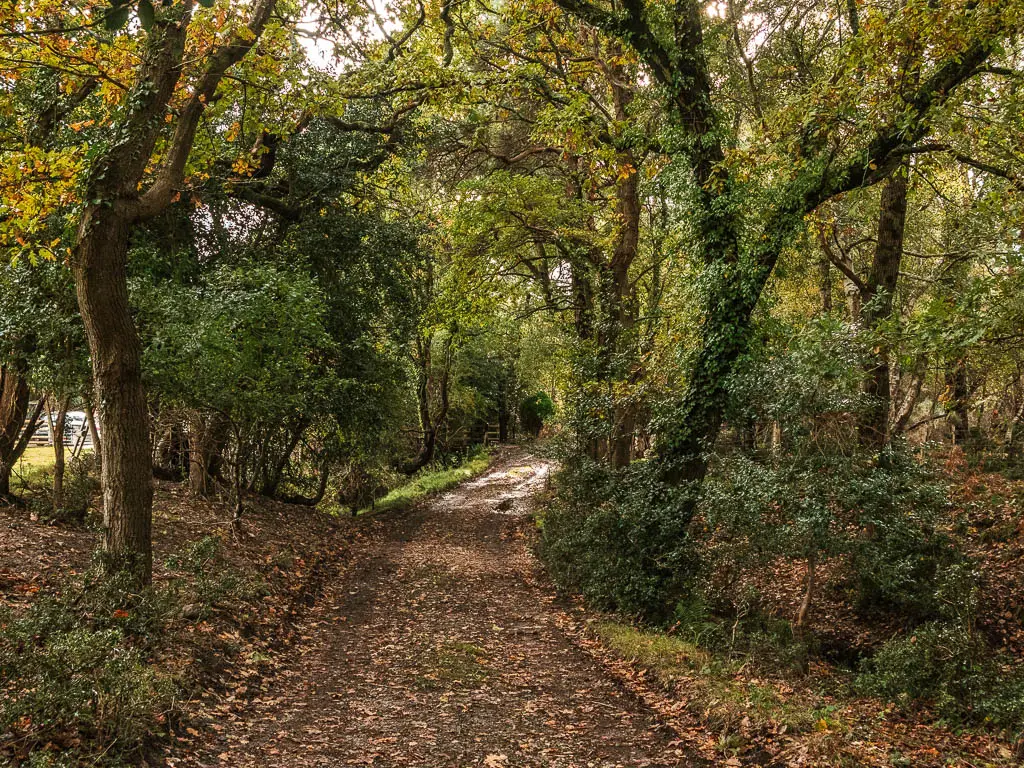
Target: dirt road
{"x": 440, "y": 646}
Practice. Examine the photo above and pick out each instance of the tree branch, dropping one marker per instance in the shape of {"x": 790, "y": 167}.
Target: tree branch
{"x": 980, "y": 165}
{"x": 225, "y": 56}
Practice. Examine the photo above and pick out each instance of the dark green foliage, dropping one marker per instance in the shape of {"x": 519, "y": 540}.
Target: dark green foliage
{"x": 906, "y": 568}
{"x": 625, "y": 540}
{"x": 805, "y": 378}
{"x": 620, "y": 538}
{"x": 881, "y": 518}
{"x": 810, "y": 493}
{"x": 815, "y": 493}
{"x": 76, "y": 667}
{"x": 767, "y": 641}
{"x": 534, "y": 411}
{"x": 81, "y": 485}
{"x": 74, "y": 671}
{"x": 211, "y": 582}
{"x": 950, "y": 668}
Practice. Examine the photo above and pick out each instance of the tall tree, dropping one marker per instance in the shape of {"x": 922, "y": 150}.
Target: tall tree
{"x": 739, "y": 246}
{"x": 150, "y": 115}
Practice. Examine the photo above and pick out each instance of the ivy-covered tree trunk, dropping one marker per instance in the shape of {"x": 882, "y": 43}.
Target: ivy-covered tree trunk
{"x": 725, "y": 334}
{"x": 880, "y": 290}
{"x": 622, "y": 302}
{"x": 736, "y": 276}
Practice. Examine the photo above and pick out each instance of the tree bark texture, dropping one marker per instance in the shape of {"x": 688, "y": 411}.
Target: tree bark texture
{"x": 14, "y": 396}
{"x": 879, "y": 304}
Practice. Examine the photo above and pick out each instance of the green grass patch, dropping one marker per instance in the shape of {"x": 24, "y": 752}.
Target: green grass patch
{"x": 38, "y": 456}
{"x": 431, "y": 481}
{"x": 35, "y": 467}
{"x": 716, "y": 689}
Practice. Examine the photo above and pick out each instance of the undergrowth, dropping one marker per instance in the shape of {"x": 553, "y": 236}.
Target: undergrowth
{"x": 613, "y": 538}
{"x": 77, "y": 679}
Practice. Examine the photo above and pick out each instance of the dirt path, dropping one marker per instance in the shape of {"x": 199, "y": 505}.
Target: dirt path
{"x": 439, "y": 647}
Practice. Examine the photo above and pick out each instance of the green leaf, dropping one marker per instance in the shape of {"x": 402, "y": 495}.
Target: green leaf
{"x": 146, "y": 14}
{"x": 206, "y": 3}
{"x": 116, "y": 18}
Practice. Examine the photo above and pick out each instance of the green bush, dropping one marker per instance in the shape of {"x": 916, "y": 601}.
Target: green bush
{"x": 907, "y": 570}
{"x": 620, "y": 539}
{"x": 534, "y": 411}
{"x": 949, "y": 668}
{"x": 211, "y": 582}
{"x": 880, "y": 516}
{"x": 75, "y": 675}
{"x": 80, "y": 486}
{"x": 76, "y": 685}
{"x": 902, "y": 563}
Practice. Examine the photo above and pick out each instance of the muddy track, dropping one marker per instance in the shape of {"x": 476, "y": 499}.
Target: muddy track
{"x": 440, "y": 646}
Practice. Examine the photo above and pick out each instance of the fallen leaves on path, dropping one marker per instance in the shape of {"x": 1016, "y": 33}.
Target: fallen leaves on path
{"x": 440, "y": 646}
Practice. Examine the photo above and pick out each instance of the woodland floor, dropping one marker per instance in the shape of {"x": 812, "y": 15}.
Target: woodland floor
{"x": 440, "y": 645}
{"x": 431, "y": 637}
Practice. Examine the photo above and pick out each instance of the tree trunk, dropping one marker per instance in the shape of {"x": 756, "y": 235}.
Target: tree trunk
{"x": 321, "y": 490}
{"x": 504, "y": 412}
{"x": 620, "y": 451}
{"x": 94, "y": 433}
{"x": 14, "y": 396}
{"x": 101, "y": 282}
{"x": 958, "y": 396}
{"x": 237, "y": 477}
{"x": 1013, "y": 431}
{"x": 910, "y": 397}
{"x": 99, "y": 261}
{"x": 201, "y": 441}
{"x": 776, "y": 438}
{"x": 428, "y": 441}
{"x": 57, "y": 434}
{"x": 623, "y": 304}
{"x": 270, "y": 487}
{"x": 805, "y": 604}
{"x": 441, "y": 423}
{"x": 825, "y": 284}
{"x": 683, "y": 447}
{"x": 873, "y": 428}
{"x": 582, "y": 301}
{"x": 622, "y": 437}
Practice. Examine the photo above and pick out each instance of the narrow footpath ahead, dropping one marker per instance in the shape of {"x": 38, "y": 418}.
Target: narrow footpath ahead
{"x": 440, "y": 646}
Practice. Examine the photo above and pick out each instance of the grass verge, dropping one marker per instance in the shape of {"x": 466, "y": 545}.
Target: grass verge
{"x": 431, "y": 481}
{"x": 716, "y": 688}
{"x": 760, "y": 717}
